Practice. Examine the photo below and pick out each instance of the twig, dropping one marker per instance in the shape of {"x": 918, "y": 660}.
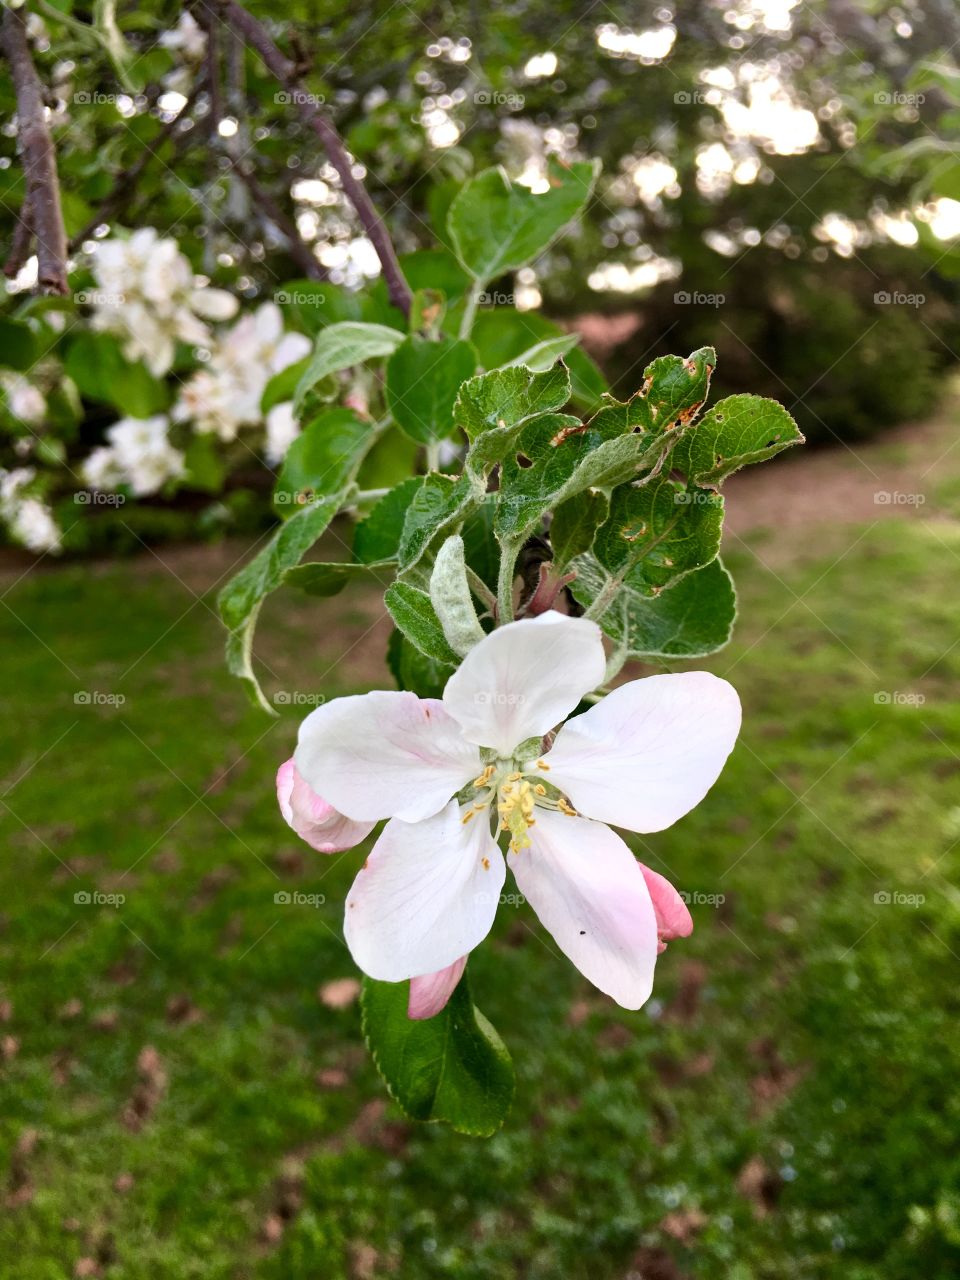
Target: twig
{"x": 125, "y": 183}
{"x": 299, "y": 249}
{"x": 288, "y": 73}
{"x": 39, "y": 157}
{"x": 22, "y": 241}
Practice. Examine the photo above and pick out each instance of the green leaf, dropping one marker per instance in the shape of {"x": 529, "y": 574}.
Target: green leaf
{"x": 734, "y": 433}
{"x": 507, "y": 398}
{"x": 283, "y": 385}
{"x": 390, "y": 460}
{"x": 413, "y": 670}
{"x": 423, "y": 379}
{"x": 500, "y": 334}
{"x": 205, "y": 466}
{"x": 575, "y": 523}
{"x": 96, "y": 364}
{"x": 657, "y": 532}
{"x": 322, "y": 458}
{"x": 317, "y": 304}
{"x": 329, "y": 579}
{"x": 17, "y": 345}
{"x": 690, "y": 620}
{"x": 377, "y": 536}
{"x": 440, "y": 503}
{"x": 241, "y": 598}
{"x": 343, "y": 345}
{"x": 496, "y": 225}
{"x": 413, "y": 612}
{"x": 544, "y": 354}
{"x": 452, "y": 1067}
{"x": 451, "y": 598}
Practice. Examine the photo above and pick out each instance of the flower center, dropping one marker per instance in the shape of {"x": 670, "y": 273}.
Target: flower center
{"x": 508, "y": 783}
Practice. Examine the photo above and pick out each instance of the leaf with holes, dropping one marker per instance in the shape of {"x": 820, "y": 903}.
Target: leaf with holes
{"x": 733, "y": 434}
{"x": 505, "y": 399}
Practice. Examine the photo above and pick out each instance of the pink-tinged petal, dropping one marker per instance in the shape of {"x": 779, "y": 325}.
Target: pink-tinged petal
{"x": 385, "y": 755}
{"x": 522, "y": 679}
{"x": 315, "y": 821}
{"x": 425, "y": 897}
{"x": 429, "y": 994}
{"x": 649, "y": 751}
{"x": 589, "y": 893}
{"x": 673, "y": 918}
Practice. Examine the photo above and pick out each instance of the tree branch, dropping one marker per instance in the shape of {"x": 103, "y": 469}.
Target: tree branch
{"x": 125, "y": 183}
{"x": 39, "y": 158}
{"x": 22, "y": 241}
{"x": 300, "y": 251}
{"x": 288, "y": 73}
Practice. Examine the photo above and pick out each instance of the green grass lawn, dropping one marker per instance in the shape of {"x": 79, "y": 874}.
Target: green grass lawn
{"x": 176, "y": 1100}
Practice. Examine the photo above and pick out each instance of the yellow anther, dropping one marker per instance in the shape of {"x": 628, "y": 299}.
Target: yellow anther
{"x": 566, "y": 807}
{"x": 540, "y": 789}
{"x": 514, "y": 777}
{"x": 485, "y": 776}
{"x": 541, "y": 765}
{"x": 471, "y": 813}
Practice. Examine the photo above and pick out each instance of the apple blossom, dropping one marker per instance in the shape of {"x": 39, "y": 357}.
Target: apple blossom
{"x": 451, "y": 775}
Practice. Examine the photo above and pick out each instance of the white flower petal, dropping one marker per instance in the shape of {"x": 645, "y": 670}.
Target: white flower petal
{"x": 425, "y": 897}
{"x": 589, "y": 893}
{"x": 429, "y": 994}
{"x": 649, "y": 752}
{"x": 522, "y": 679}
{"x": 385, "y": 755}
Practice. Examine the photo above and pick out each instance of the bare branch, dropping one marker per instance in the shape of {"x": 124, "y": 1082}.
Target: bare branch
{"x": 288, "y": 73}
{"x": 299, "y": 249}
{"x": 39, "y": 157}
{"x": 22, "y": 242}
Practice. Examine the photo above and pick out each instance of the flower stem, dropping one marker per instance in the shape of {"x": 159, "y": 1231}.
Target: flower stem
{"x": 433, "y": 455}
{"x": 508, "y": 571}
{"x": 481, "y": 590}
{"x": 470, "y": 310}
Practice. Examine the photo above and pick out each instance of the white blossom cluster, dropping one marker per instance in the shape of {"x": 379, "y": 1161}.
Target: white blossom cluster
{"x": 147, "y": 294}
{"x": 27, "y": 517}
{"x": 139, "y": 455}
